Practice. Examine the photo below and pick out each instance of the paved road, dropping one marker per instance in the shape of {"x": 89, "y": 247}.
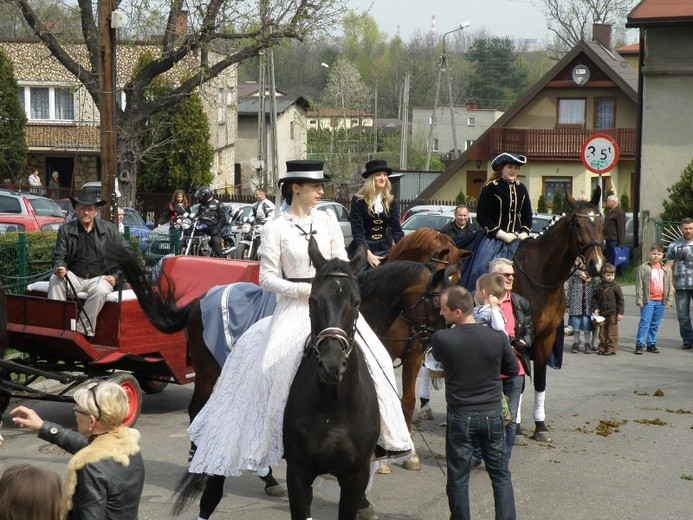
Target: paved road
{"x": 635, "y": 472}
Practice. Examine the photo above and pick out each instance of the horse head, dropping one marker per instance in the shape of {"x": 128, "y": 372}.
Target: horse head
{"x": 334, "y": 308}
{"x": 586, "y": 232}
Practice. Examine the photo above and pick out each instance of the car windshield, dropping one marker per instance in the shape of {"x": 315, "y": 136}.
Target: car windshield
{"x": 46, "y": 208}
{"x": 422, "y": 220}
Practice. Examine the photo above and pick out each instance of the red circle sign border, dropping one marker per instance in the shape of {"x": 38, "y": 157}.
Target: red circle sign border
{"x": 586, "y": 144}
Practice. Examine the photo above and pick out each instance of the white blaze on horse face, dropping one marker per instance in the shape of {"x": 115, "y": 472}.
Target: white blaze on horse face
{"x": 592, "y": 215}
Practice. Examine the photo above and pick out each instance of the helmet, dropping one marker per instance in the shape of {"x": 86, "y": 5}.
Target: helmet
{"x": 204, "y": 194}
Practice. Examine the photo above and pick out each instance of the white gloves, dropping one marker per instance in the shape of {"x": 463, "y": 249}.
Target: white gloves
{"x": 523, "y": 235}
{"x": 303, "y": 289}
{"x": 505, "y": 236}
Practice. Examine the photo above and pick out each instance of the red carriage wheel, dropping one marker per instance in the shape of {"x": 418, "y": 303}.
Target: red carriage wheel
{"x": 132, "y": 389}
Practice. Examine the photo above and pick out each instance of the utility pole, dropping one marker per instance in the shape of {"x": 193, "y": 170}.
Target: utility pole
{"x": 107, "y": 106}
{"x": 404, "y": 117}
{"x": 273, "y": 119}
{"x": 443, "y": 66}
{"x": 375, "y": 120}
{"x": 261, "y": 130}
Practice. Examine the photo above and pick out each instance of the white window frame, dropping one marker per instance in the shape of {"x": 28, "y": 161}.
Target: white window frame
{"x": 471, "y": 121}
{"x": 25, "y": 93}
{"x": 221, "y": 106}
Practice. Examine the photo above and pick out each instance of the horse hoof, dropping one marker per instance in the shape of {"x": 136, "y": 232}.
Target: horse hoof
{"x": 275, "y": 491}
{"x": 541, "y": 437}
{"x": 383, "y": 470}
{"x": 425, "y": 414}
{"x": 367, "y": 513}
{"x": 413, "y": 464}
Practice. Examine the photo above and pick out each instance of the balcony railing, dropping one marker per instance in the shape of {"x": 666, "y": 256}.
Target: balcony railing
{"x": 73, "y": 136}
{"x": 560, "y": 143}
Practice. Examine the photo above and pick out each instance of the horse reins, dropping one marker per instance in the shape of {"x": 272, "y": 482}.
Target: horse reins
{"x": 581, "y": 257}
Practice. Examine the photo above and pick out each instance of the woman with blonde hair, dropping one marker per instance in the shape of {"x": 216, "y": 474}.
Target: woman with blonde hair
{"x": 30, "y": 493}
{"x": 105, "y": 476}
{"x": 373, "y": 212}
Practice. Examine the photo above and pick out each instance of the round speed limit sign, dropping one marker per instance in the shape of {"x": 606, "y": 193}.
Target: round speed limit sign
{"x": 599, "y": 153}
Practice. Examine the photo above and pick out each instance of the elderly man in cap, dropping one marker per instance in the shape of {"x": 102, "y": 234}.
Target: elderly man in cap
{"x": 79, "y": 263}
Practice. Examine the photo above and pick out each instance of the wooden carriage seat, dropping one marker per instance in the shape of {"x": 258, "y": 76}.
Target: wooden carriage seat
{"x": 193, "y": 276}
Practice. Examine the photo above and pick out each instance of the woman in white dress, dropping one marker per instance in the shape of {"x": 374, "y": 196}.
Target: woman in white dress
{"x": 240, "y": 427}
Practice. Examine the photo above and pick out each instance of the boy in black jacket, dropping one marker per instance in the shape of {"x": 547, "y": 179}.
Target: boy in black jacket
{"x": 607, "y": 301}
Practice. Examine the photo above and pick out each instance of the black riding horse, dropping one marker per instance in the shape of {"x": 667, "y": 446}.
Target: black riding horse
{"x": 331, "y": 420}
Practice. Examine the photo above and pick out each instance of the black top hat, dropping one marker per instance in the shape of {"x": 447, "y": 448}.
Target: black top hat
{"x": 375, "y": 166}
{"x": 304, "y": 171}
{"x": 87, "y": 198}
{"x": 507, "y": 158}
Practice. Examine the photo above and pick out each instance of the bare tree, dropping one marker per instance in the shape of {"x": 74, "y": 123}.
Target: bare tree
{"x": 230, "y": 31}
{"x": 571, "y": 20}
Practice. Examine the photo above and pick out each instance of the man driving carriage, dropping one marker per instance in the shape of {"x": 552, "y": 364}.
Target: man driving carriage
{"x": 79, "y": 264}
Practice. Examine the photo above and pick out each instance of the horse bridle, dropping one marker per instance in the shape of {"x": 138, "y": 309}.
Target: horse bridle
{"x": 581, "y": 250}
{"x": 345, "y": 340}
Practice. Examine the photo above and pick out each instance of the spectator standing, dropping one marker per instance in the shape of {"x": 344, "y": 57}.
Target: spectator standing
{"x": 653, "y": 293}
{"x": 54, "y": 185}
{"x": 176, "y": 207}
{"x": 105, "y": 476}
{"x": 614, "y": 228}
{"x": 579, "y": 290}
{"x": 30, "y": 493}
{"x": 460, "y": 226}
{"x": 473, "y": 358}
{"x": 520, "y": 330}
{"x": 262, "y": 208}
{"x": 35, "y": 183}
{"x": 680, "y": 258}
{"x": 607, "y": 301}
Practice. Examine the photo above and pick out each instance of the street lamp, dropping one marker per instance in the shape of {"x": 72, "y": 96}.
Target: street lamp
{"x": 443, "y": 66}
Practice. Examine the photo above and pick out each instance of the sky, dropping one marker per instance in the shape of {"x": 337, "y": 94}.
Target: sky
{"x": 519, "y": 19}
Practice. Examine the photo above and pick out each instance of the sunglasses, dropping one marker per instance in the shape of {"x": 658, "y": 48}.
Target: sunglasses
{"x": 508, "y": 276}
{"x": 84, "y": 411}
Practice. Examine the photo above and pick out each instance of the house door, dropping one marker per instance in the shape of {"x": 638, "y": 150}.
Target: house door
{"x": 475, "y": 181}
{"x": 64, "y": 166}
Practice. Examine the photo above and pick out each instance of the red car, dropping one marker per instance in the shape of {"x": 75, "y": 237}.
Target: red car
{"x": 27, "y": 212}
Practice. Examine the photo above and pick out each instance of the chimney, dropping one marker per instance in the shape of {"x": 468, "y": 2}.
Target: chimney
{"x": 601, "y": 33}
{"x": 182, "y": 23}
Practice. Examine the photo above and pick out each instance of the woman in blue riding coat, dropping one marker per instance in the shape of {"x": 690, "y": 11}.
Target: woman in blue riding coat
{"x": 373, "y": 211}
{"x": 504, "y": 212}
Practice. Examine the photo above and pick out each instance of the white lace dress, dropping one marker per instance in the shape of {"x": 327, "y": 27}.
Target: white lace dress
{"x": 240, "y": 427}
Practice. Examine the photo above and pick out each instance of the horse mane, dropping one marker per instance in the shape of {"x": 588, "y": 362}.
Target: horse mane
{"x": 389, "y": 279}
{"x": 420, "y": 244}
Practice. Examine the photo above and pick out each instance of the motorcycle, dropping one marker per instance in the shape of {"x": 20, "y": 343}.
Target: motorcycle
{"x": 196, "y": 241}
{"x": 248, "y": 239}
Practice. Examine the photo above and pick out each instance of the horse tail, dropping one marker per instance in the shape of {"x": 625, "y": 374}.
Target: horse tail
{"x": 189, "y": 487}
{"x": 158, "y": 304}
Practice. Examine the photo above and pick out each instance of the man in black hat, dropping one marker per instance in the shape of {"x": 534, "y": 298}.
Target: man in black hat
{"x": 79, "y": 263}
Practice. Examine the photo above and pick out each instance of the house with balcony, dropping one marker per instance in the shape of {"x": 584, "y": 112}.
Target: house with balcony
{"x": 291, "y": 131}
{"x": 63, "y": 123}
{"x": 591, "y": 90}
{"x": 666, "y": 75}
{"x": 469, "y": 123}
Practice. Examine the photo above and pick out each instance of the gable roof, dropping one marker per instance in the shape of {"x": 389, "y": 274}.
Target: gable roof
{"x": 661, "y": 12}
{"x": 613, "y": 66}
{"x": 252, "y": 88}
{"x": 251, "y": 106}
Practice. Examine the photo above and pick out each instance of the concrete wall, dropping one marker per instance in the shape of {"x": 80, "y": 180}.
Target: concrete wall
{"x": 667, "y": 142}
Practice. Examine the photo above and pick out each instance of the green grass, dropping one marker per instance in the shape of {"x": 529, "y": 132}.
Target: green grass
{"x": 628, "y": 275}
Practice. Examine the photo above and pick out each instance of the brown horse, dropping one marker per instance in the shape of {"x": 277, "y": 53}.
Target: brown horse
{"x": 399, "y": 289}
{"x": 542, "y": 265}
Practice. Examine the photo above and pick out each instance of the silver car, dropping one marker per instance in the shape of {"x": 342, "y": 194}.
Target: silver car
{"x": 342, "y": 215}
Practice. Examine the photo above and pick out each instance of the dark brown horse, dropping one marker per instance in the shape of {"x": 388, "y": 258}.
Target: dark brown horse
{"x": 406, "y": 340}
{"x": 399, "y": 289}
{"x": 542, "y": 265}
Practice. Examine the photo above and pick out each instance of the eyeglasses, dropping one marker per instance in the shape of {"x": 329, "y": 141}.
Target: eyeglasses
{"x": 96, "y": 402}
{"x": 508, "y": 276}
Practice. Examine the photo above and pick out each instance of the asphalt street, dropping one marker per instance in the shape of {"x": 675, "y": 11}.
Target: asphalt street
{"x": 621, "y": 428}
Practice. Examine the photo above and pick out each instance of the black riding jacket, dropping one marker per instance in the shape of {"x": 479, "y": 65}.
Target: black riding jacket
{"x": 212, "y": 213}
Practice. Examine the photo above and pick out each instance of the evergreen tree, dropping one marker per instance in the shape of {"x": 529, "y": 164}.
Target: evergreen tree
{"x": 625, "y": 202}
{"x": 541, "y": 204}
{"x": 557, "y": 208}
{"x": 13, "y": 148}
{"x": 680, "y": 202}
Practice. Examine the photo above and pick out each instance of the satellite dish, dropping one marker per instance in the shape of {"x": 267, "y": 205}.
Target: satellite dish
{"x": 581, "y": 75}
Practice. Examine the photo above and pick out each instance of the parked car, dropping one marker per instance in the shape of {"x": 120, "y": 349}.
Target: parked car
{"x": 440, "y": 208}
{"x": 342, "y": 215}
{"x": 28, "y": 212}
{"x": 541, "y": 221}
{"x": 430, "y": 219}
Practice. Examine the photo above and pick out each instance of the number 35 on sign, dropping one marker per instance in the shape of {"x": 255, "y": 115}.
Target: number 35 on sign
{"x": 599, "y": 153}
